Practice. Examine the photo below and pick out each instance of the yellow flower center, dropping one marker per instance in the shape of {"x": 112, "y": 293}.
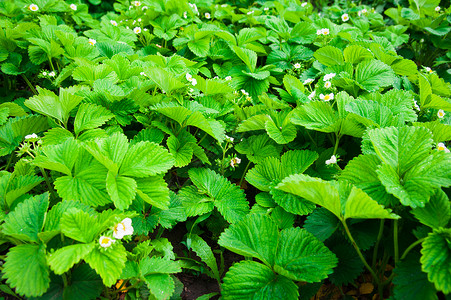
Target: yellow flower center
{"x": 118, "y": 227}
{"x": 105, "y": 241}
{"x": 441, "y": 148}
{"x": 327, "y": 97}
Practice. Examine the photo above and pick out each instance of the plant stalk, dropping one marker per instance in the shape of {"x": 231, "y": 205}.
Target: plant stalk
{"x": 379, "y": 237}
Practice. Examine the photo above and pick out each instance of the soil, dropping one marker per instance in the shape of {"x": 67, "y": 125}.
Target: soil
{"x": 196, "y": 286}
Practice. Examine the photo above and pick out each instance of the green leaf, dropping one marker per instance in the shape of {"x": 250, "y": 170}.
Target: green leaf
{"x": 58, "y": 107}
{"x": 281, "y": 135}
{"x": 252, "y": 280}
{"x": 356, "y": 203}
{"x": 17, "y": 186}
{"x": 228, "y": 198}
{"x": 80, "y": 225}
{"x": 321, "y": 223}
{"x": 203, "y": 250}
{"x": 318, "y": 116}
{"x": 182, "y": 152}
{"x": 91, "y": 116}
{"x": 361, "y": 171}
{"x": 374, "y": 74}
{"x": 436, "y": 259}
{"x": 64, "y": 258}
{"x": 249, "y": 57}
{"x": 26, "y": 270}
{"x": 121, "y": 189}
{"x": 401, "y": 148}
{"x": 329, "y": 56}
{"x": 53, "y": 218}
{"x": 160, "y": 285}
{"x": 354, "y": 54}
{"x": 27, "y": 219}
{"x": 60, "y": 157}
{"x": 146, "y": 159}
{"x": 108, "y": 263}
{"x": 372, "y": 113}
{"x": 441, "y": 132}
{"x": 164, "y": 80}
{"x": 84, "y": 281}
{"x": 349, "y": 265}
{"x": 309, "y": 261}
{"x": 255, "y": 236}
{"x": 410, "y": 282}
{"x": 258, "y": 147}
{"x": 436, "y": 213}
{"x": 158, "y": 265}
{"x": 292, "y": 203}
{"x": 110, "y": 151}
{"x": 154, "y": 191}
{"x": 264, "y": 173}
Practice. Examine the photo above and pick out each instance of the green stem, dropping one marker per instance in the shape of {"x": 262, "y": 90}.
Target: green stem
{"x": 379, "y": 237}
{"x": 51, "y": 64}
{"x": 395, "y": 240}
{"x": 64, "y": 276}
{"x": 29, "y": 84}
{"x": 411, "y": 247}
{"x": 359, "y": 253}
{"x": 310, "y": 137}
{"x": 202, "y": 139}
{"x": 337, "y": 141}
{"x": 49, "y": 185}
{"x": 9, "y": 161}
{"x": 244, "y": 173}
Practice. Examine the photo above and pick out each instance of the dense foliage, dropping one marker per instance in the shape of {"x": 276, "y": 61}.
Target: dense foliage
{"x": 308, "y": 139}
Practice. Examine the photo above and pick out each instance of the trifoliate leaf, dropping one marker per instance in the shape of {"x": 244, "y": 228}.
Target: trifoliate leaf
{"x": 436, "y": 258}
{"x": 60, "y": 157}
{"x": 26, "y": 270}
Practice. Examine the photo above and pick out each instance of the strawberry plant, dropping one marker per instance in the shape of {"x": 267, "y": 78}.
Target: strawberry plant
{"x": 265, "y": 150}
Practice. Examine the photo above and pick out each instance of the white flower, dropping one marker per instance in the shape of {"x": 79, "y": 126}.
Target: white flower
{"x": 312, "y": 95}
{"x": 437, "y": 9}
{"x": 327, "y": 85}
{"x": 137, "y": 30}
{"x": 329, "y": 76}
{"x": 112, "y": 22}
{"x": 137, "y": 3}
{"x": 123, "y": 228}
{"x": 207, "y": 15}
{"x": 44, "y": 73}
{"x": 143, "y": 74}
{"x": 194, "y": 81}
{"x": 235, "y": 161}
{"x": 223, "y": 5}
{"x": 92, "y": 42}
{"x": 364, "y": 11}
{"x": 345, "y": 17}
{"x": 52, "y": 74}
{"x": 145, "y": 29}
{"x": 359, "y": 13}
{"x": 188, "y": 77}
{"x": 130, "y": 7}
{"x": 105, "y": 241}
{"x": 442, "y": 147}
{"x": 332, "y": 160}
{"x": 440, "y": 114}
{"x": 266, "y": 8}
{"x": 307, "y": 81}
{"x": 144, "y": 8}
{"x": 244, "y": 92}
{"x": 31, "y": 136}
{"x": 415, "y": 105}
{"x": 73, "y": 6}
{"x": 319, "y": 32}
{"x": 297, "y": 65}
{"x": 303, "y": 4}
{"x": 159, "y": 46}
{"x": 139, "y": 20}
{"x": 248, "y": 98}
{"x": 228, "y": 78}
{"x": 33, "y": 7}
{"x": 325, "y": 31}
{"x": 229, "y": 139}
{"x": 250, "y": 12}
{"x": 327, "y": 97}
{"x": 429, "y": 70}
{"x": 185, "y": 15}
